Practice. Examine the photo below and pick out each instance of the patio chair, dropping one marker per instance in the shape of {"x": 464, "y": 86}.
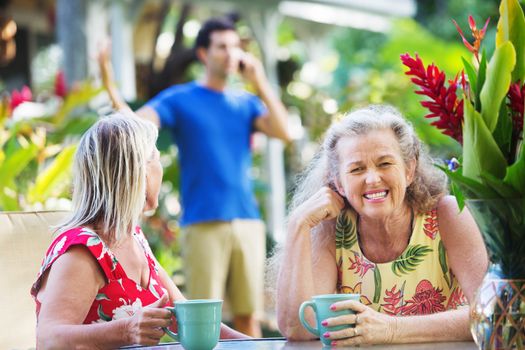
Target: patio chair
{"x": 24, "y": 238}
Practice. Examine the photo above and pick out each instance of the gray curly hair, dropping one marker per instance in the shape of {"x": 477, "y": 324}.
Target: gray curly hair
{"x": 429, "y": 185}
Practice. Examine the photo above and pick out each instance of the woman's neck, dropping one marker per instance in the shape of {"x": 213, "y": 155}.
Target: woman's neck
{"x": 385, "y": 239}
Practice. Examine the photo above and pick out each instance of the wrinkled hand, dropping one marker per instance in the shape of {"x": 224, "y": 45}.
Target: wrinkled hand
{"x": 145, "y": 326}
{"x": 371, "y": 327}
{"x": 324, "y": 205}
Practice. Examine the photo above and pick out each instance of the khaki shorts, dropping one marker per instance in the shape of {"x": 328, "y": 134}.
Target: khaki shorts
{"x": 226, "y": 258}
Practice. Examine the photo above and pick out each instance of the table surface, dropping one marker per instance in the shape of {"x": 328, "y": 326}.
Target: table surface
{"x": 282, "y": 344}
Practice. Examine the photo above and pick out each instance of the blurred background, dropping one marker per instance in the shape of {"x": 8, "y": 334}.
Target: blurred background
{"x": 324, "y": 56}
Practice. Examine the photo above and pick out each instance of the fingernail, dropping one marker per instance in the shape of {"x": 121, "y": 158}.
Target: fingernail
{"x": 332, "y": 307}
{"x": 324, "y": 323}
{"x": 334, "y": 343}
{"x": 326, "y": 334}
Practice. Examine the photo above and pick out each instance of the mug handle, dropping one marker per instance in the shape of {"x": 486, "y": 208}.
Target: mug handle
{"x": 174, "y": 336}
{"x": 305, "y": 324}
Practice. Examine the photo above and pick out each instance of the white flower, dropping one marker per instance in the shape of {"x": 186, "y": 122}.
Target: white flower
{"x": 127, "y": 310}
{"x": 98, "y": 321}
{"x": 59, "y": 246}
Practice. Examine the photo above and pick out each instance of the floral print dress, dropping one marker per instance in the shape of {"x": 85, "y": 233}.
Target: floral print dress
{"x": 120, "y": 297}
{"x": 418, "y": 282}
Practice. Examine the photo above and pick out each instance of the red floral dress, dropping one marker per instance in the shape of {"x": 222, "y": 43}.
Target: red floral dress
{"x": 417, "y": 282}
{"x": 121, "y": 297}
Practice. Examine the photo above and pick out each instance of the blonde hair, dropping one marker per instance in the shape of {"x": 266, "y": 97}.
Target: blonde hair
{"x": 429, "y": 183}
{"x": 109, "y": 175}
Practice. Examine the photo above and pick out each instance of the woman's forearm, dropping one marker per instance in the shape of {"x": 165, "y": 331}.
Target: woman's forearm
{"x": 444, "y": 326}
{"x": 295, "y": 282}
{"x": 108, "y": 335}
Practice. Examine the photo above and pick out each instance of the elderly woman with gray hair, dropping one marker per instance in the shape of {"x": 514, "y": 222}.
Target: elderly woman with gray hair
{"x": 100, "y": 285}
{"x": 371, "y": 216}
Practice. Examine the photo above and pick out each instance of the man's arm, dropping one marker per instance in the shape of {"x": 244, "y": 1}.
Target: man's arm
{"x": 106, "y": 72}
{"x": 274, "y": 123}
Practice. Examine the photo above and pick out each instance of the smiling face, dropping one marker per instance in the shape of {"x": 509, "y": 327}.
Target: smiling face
{"x": 372, "y": 173}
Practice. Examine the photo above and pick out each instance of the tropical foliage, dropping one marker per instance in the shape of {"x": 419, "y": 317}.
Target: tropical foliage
{"x": 487, "y": 119}
{"x": 38, "y": 142}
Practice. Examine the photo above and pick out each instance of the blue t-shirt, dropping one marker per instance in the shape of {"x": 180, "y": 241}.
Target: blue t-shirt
{"x": 212, "y": 131}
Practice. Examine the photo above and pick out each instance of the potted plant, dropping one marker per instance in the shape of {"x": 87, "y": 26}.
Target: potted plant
{"x": 483, "y": 109}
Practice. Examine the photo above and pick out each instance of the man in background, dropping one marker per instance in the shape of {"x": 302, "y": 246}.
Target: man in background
{"x": 211, "y": 124}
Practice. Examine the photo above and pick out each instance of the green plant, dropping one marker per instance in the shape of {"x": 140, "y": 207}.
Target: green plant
{"x": 38, "y": 142}
{"x": 483, "y": 109}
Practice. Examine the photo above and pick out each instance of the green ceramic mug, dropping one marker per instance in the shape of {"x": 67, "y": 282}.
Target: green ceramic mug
{"x": 199, "y": 323}
{"x": 321, "y": 307}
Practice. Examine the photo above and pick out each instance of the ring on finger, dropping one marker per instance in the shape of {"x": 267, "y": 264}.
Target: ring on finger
{"x": 355, "y": 332}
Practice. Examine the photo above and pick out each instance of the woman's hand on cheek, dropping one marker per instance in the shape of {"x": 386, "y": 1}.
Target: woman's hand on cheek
{"x": 324, "y": 205}
{"x": 366, "y": 326}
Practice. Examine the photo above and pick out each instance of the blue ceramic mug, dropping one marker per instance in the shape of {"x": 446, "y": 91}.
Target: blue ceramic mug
{"x": 321, "y": 307}
{"x": 199, "y": 323}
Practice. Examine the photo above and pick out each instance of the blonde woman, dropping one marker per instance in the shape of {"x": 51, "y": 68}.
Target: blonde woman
{"x": 100, "y": 285}
{"x": 372, "y": 217}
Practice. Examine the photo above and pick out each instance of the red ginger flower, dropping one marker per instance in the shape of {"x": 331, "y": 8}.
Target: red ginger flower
{"x": 393, "y": 301}
{"x": 443, "y": 103}
{"x": 477, "y": 34}
{"x": 360, "y": 265}
{"x": 19, "y": 97}
{"x": 427, "y": 300}
{"x": 430, "y": 226}
{"x": 516, "y": 104}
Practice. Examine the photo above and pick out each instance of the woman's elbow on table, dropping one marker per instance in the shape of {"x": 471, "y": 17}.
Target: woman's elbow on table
{"x": 294, "y": 332}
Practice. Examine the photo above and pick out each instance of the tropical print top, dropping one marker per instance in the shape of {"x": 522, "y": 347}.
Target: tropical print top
{"x": 418, "y": 282}
{"x": 121, "y": 297}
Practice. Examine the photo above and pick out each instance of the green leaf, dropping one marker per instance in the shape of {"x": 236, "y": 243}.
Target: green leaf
{"x": 480, "y": 151}
{"x": 458, "y": 194}
{"x": 76, "y": 98}
{"x": 93, "y": 241}
{"x": 101, "y": 314}
{"x": 511, "y": 27}
{"x": 482, "y": 72}
{"x": 8, "y": 198}
{"x": 472, "y": 78}
{"x": 516, "y": 173}
{"x": 53, "y": 178}
{"x": 409, "y": 260}
{"x": 15, "y": 162}
{"x": 101, "y": 296}
{"x": 473, "y": 188}
{"x": 73, "y": 126}
{"x": 345, "y": 233}
{"x": 443, "y": 262}
{"x": 377, "y": 284}
{"x": 497, "y": 83}
{"x": 504, "y": 190}
{"x": 503, "y": 132}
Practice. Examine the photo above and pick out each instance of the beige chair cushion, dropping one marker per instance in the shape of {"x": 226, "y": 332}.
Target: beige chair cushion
{"x": 24, "y": 239}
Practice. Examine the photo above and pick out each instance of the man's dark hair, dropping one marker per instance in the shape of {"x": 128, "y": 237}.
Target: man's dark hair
{"x": 212, "y": 25}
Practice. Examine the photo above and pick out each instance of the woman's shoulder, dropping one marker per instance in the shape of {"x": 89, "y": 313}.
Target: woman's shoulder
{"x": 454, "y": 222}
{"x": 80, "y": 243}
{"x": 74, "y": 236}
{"x": 448, "y": 209}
